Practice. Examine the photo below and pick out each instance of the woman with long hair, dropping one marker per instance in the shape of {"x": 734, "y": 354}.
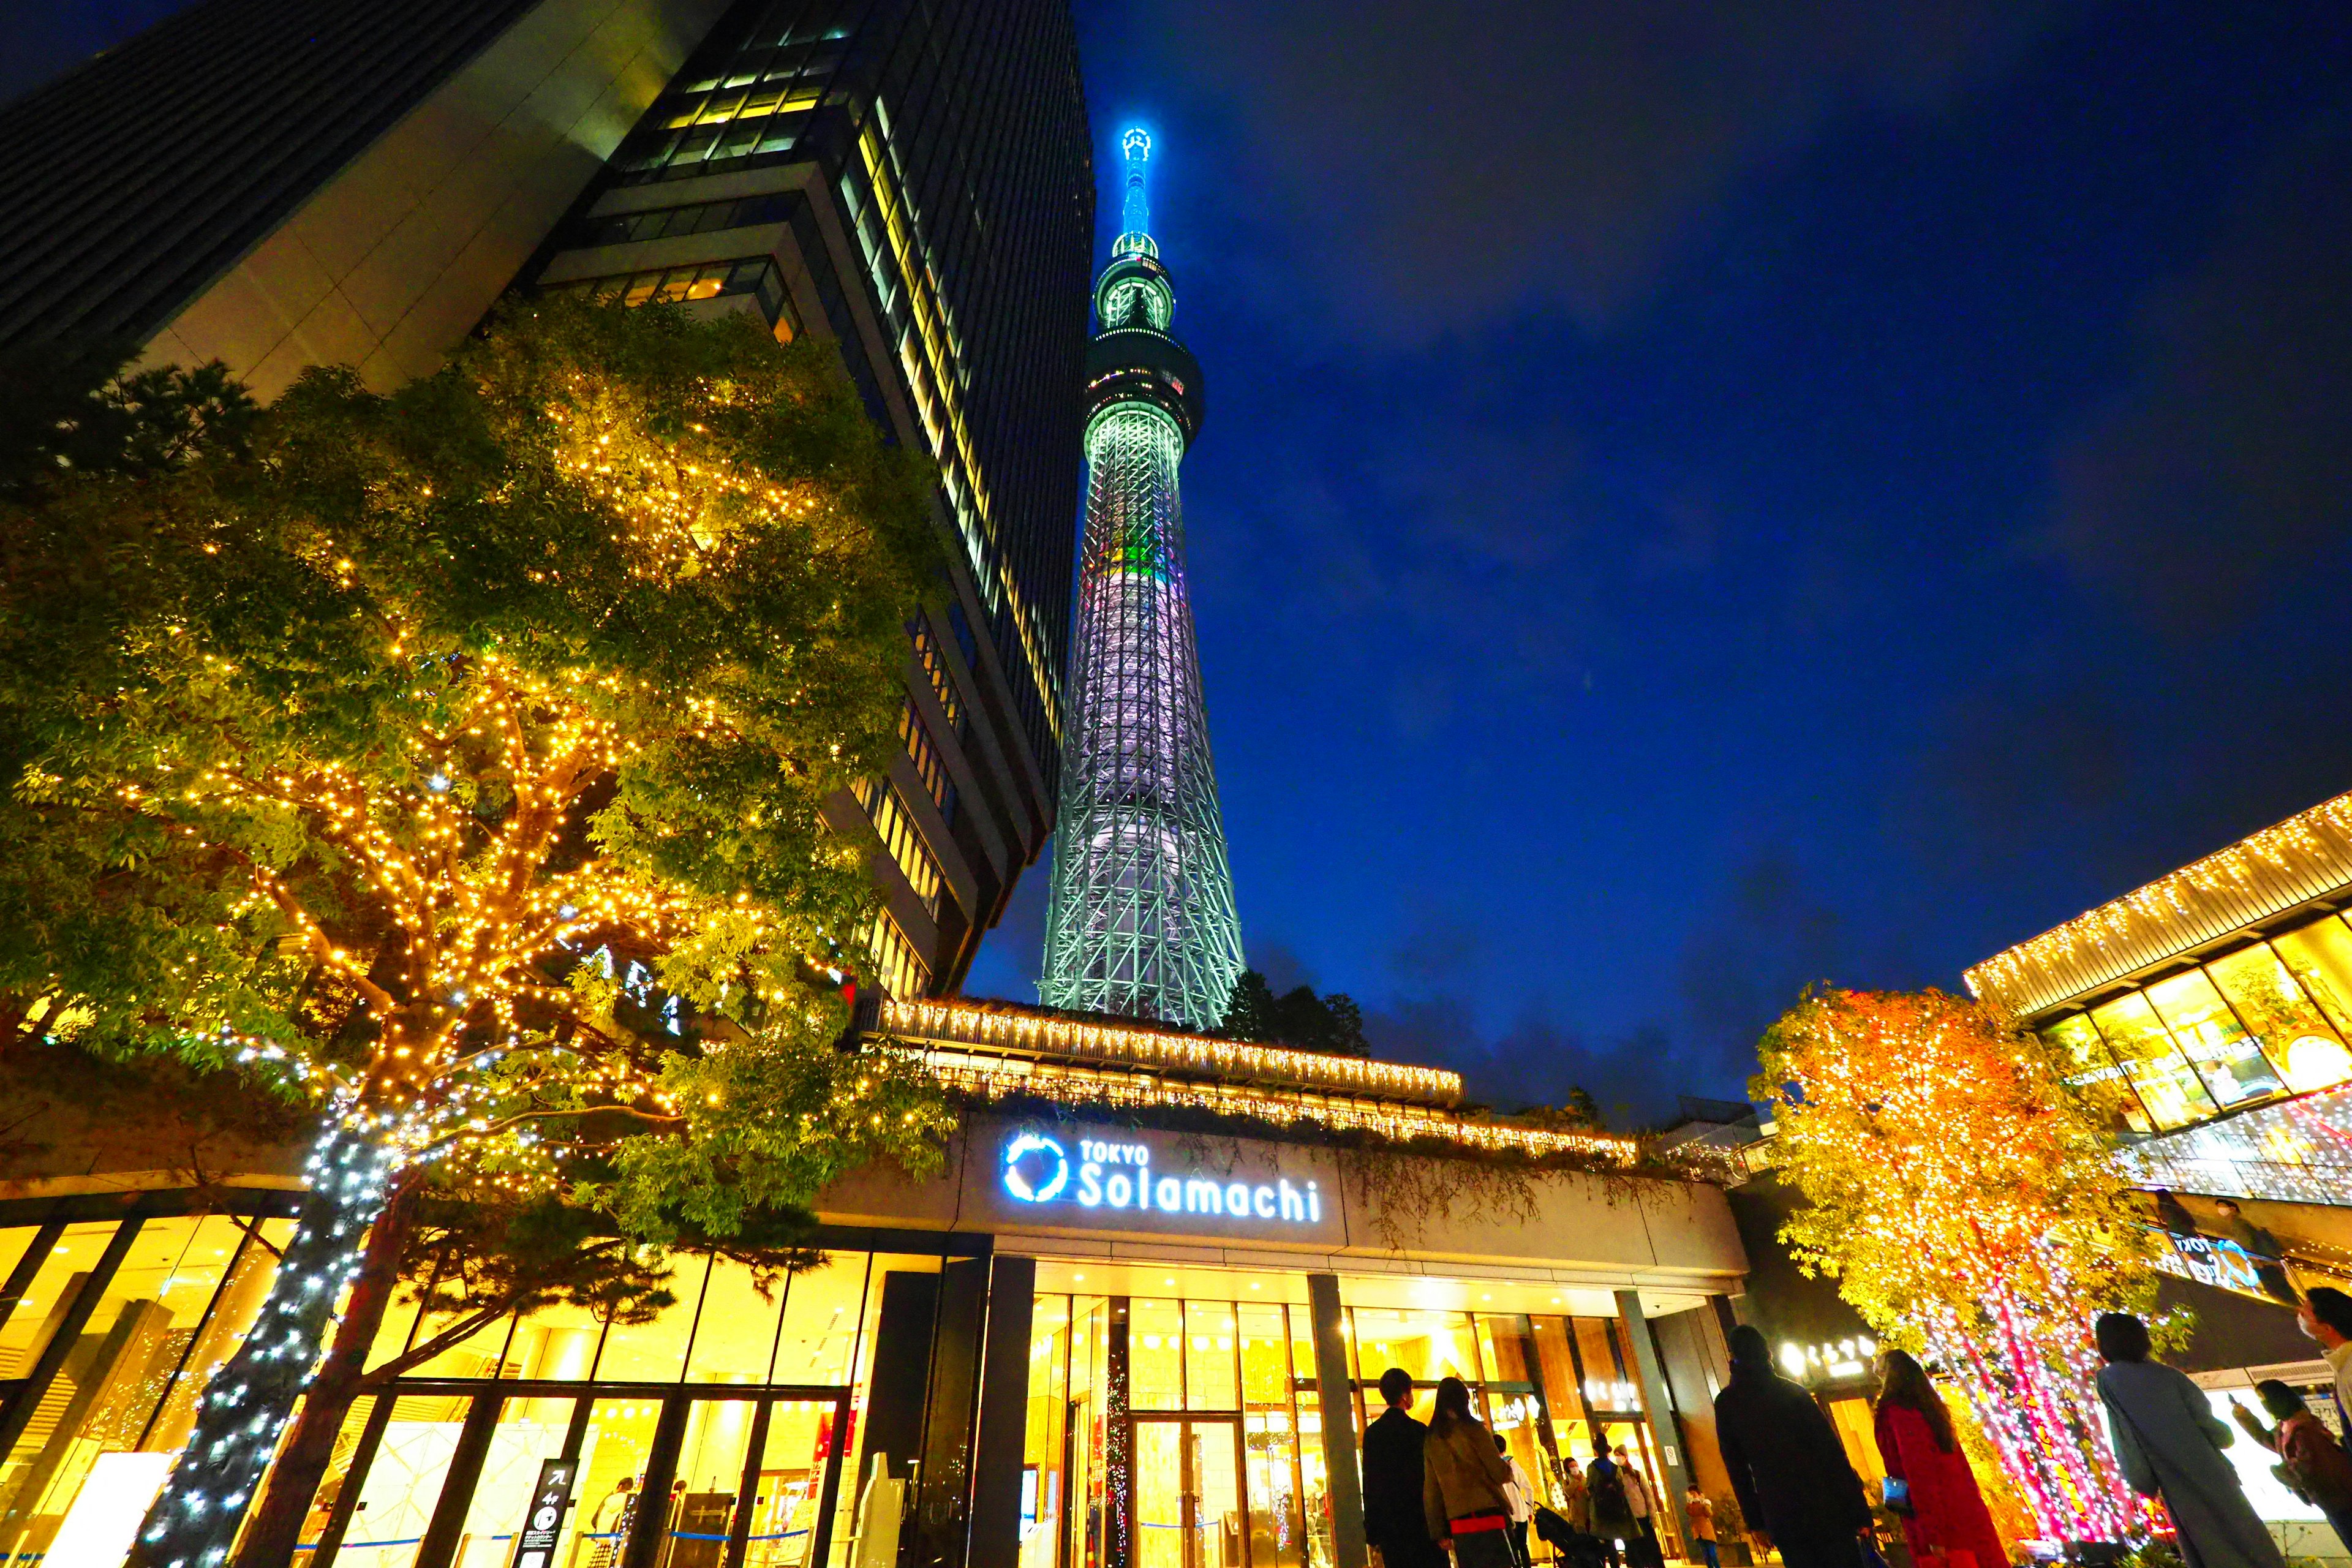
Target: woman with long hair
{"x": 1463, "y": 1477}
{"x": 1916, "y": 1442}
{"x": 2170, "y": 1443}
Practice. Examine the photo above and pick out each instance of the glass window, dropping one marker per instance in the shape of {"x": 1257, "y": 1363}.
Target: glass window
{"x": 338, "y": 1476}
{"x": 791, "y": 1487}
{"x": 655, "y": 1352}
{"x": 1042, "y": 1483}
{"x": 1607, "y": 1380}
{"x": 1277, "y": 1518}
{"x": 2230, "y": 1060}
{"x": 613, "y": 1455}
{"x": 1429, "y": 1345}
{"x": 2167, "y": 1084}
{"x": 529, "y": 1432}
{"x": 51, "y": 1295}
{"x": 2082, "y": 1057}
{"x": 827, "y": 1318}
{"x": 231, "y": 1312}
{"x": 2320, "y": 954}
{"x": 403, "y": 1486}
{"x": 1155, "y": 1355}
{"x": 1212, "y": 1381}
{"x": 556, "y": 1341}
{"x": 736, "y": 1338}
{"x": 2293, "y": 1030}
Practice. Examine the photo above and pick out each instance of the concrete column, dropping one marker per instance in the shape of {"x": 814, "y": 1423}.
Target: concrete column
{"x": 1335, "y": 1398}
{"x": 1658, "y": 1402}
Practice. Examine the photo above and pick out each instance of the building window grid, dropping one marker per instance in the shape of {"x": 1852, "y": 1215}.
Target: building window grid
{"x": 930, "y": 766}
{"x": 756, "y": 277}
{"x": 897, "y": 967}
{"x": 896, "y": 826}
{"x": 932, "y": 656}
{"x": 696, "y": 217}
{"x": 2123, "y": 1071}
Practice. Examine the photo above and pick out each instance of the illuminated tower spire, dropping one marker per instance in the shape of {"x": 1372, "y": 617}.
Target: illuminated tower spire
{"x": 1143, "y": 922}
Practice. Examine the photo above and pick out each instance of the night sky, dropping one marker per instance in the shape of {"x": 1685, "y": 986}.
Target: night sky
{"x": 1697, "y": 498}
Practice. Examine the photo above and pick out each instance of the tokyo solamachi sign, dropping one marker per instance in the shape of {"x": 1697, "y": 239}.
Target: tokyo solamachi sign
{"x": 1119, "y": 1178}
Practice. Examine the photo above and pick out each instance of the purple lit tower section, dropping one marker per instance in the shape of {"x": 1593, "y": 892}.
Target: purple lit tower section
{"x": 1142, "y": 922}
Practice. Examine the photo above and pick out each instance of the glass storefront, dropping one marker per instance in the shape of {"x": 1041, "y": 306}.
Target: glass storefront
{"x": 718, "y": 1430}
{"x": 111, "y": 1328}
{"x": 1186, "y": 1433}
{"x": 2265, "y": 1021}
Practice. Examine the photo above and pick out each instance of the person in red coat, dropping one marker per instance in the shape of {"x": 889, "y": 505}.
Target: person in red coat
{"x": 1916, "y": 1444}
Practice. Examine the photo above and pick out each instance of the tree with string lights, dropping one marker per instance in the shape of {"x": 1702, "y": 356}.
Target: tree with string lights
{"x": 1964, "y": 1196}
{"x": 458, "y": 759}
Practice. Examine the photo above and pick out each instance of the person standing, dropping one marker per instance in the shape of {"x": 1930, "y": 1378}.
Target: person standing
{"x": 2170, "y": 1443}
{"x": 1519, "y": 1494}
{"x": 1645, "y": 1549}
{"x": 1461, "y": 1483}
{"x": 1393, "y": 1520}
{"x": 2316, "y": 1464}
{"x": 1796, "y": 1487}
{"x": 1612, "y": 1515}
{"x": 1575, "y": 1498}
{"x": 2327, "y": 1316}
{"x": 1702, "y": 1520}
{"x": 1916, "y": 1444}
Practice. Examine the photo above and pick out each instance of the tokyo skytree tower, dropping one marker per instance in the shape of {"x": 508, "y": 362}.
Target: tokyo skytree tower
{"x": 1143, "y": 922}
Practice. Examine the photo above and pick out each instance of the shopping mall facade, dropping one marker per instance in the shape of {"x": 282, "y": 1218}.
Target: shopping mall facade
{"x": 1100, "y": 1337}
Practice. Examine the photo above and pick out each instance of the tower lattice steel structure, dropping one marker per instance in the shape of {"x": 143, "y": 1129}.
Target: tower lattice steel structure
{"x": 1143, "y": 922}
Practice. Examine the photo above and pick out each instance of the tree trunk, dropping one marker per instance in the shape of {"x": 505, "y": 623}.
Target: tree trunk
{"x": 276, "y": 1525}
{"x": 193, "y": 1522}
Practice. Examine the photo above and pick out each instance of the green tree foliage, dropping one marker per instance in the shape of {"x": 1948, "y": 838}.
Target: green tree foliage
{"x": 1299, "y": 1017}
{"x": 463, "y": 754}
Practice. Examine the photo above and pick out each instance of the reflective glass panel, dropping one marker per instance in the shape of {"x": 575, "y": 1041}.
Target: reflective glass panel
{"x": 791, "y": 1487}
{"x": 735, "y": 1338}
{"x": 1045, "y": 1437}
{"x": 1212, "y": 1378}
{"x": 2082, "y": 1057}
{"x": 655, "y": 1352}
{"x": 2275, "y": 1007}
{"x": 2320, "y": 954}
{"x": 530, "y": 1432}
{"x": 403, "y": 1485}
{"x": 2228, "y": 1058}
{"x": 612, "y": 1476}
{"x": 1155, "y": 1355}
{"x": 2166, "y": 1085}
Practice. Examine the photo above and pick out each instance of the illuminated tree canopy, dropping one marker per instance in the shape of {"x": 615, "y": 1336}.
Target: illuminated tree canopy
{"x": 459, "y": 757}
{"x": 1965, "y": 1199}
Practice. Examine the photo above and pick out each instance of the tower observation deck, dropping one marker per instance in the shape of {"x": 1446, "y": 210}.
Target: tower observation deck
{"x": 1142, "y": 920}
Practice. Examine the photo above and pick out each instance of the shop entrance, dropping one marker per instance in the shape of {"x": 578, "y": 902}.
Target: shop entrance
{"x": 444, "y": 1475}
{"x": 1189, "y": 1507}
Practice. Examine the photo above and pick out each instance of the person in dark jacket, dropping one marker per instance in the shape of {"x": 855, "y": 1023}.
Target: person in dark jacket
{"x": 1393, "y": 1520}
{"x": 2314, "y": 1463}
{"x": 1796, "y": 1487}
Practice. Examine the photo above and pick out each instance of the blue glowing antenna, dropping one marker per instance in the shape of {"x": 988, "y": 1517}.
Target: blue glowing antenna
{"x": 1135, "y": 212}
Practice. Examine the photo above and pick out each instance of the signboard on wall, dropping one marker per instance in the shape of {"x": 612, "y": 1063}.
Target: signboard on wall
{"x": 1077, "y": 1177}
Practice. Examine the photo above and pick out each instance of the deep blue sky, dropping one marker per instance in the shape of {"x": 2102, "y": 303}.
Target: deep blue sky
{"x": 1698, "y": 498}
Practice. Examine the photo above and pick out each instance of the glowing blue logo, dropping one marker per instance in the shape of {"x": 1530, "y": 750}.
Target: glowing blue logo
{"x": 1038, "y": 1170}
{"x": 1035, "y": 1168}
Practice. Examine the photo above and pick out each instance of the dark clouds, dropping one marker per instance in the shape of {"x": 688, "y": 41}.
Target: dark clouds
{"x": 2225, "y": 471}
{"x": 1453, "y": 162}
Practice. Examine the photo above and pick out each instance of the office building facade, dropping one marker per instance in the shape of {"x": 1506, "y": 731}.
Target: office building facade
{"x": 277, "y": 186}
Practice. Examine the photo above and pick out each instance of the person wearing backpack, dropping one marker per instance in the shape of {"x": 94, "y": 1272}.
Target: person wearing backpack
{"x": 2311, "y": 1462}
{"x": 1612, "y": 1511}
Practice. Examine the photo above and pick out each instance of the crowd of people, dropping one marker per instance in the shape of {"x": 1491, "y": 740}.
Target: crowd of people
{"x": 1453, "y": 1484}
